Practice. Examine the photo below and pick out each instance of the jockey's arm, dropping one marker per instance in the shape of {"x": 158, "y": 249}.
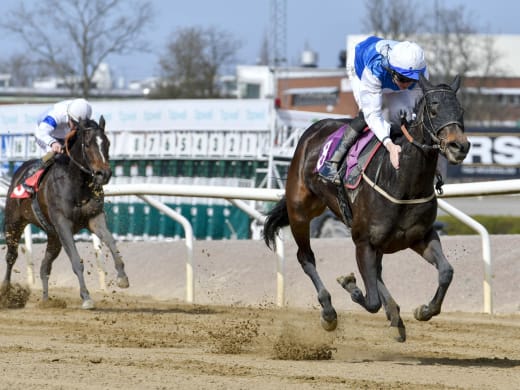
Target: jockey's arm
{"x": 43, "y": 135}
{"x": 371, "y": 102}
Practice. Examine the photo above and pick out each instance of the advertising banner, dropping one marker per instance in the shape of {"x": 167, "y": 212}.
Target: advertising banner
{"x": 494, "y": 154}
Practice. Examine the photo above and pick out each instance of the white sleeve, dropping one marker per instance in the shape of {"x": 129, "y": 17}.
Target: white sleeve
{"x": 371, "y": 103}
{"x": 43, "y": 134}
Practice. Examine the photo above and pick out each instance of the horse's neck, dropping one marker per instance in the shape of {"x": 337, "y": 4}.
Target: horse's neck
{"x": 81, "y": 182}
{"x": 420, "y": 166}
{"x": 416, "y": 173}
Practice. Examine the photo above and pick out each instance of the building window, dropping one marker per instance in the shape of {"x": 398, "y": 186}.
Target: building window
{"x": 323, "y": 96}
{"x": 315, "y": 99}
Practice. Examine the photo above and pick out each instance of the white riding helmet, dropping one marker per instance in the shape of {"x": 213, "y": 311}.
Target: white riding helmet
{"x": 79, "y": 109}
{"x": 407, "y": 59}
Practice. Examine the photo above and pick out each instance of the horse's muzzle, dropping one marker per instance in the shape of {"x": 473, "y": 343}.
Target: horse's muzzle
{"x": 457, "y": 151}
{"x": 102, "y": 177}
{"x": 455, "y": 144}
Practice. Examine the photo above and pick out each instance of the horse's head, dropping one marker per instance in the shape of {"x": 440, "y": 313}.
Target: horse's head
{"x": 443, "y": 118}
{"x": 89, "y": 150}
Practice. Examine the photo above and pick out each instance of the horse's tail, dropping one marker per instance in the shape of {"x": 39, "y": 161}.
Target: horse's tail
{"x": 277, "y": 218}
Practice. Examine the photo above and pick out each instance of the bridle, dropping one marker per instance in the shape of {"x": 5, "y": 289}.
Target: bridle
{"x": 434, "y": 123}
{"x": 88, "y": 170}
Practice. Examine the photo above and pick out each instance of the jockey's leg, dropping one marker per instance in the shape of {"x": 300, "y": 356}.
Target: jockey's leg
{"x": 330, "y": 168}
{"x": 41, "y": 163}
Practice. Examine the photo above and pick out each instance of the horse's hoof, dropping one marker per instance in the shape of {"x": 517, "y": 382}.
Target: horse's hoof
{"x": 329, "y": 326}
{"x": 346, "y": 280}
{"x": 88, "y": 304}
{"x": 422, "y": 313}
{"x": 399, "y": 334}
{"x": 348, "y": 283}
{"x": 123, "y": 282}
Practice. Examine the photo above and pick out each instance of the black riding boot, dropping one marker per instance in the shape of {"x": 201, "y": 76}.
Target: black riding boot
{"x": 41, "y": 163}
{"x": 329, "y": 170}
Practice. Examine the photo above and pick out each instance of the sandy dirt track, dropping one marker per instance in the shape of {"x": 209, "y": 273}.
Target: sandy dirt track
{"x": 235, "y": 338}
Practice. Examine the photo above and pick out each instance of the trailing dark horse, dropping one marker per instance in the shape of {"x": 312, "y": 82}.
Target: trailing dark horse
{"x": 70, "y": 198}
{"x": 395, "y": 213}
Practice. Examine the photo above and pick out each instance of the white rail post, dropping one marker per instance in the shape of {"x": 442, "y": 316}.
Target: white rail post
{"x": 96, "y": 242}
{"x": 280, "y": 264}
{"x": 29, "y": 255}
{"x": 486, "y": 250}
{"x": 188, "y": 232}
{"x": 280, "y": 271}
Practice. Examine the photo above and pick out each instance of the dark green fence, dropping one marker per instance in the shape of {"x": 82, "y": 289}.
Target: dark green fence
{"x": 130, "y": 218}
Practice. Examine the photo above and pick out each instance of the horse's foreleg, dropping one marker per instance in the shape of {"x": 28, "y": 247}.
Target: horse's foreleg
{"x": 67, "y": 241}
{"x": 51, "y": 252}
{"x": 392, "y": 311}
{"x": 98, "y": 226}
{"x": 368, "y": 262}
{"x": 431, "y": 250}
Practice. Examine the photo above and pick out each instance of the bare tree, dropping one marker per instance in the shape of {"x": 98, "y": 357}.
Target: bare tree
{"x": 193, "y": 59}
{"x": 70, "y": 39}
{"x": 393, "y": 19}
{"x": 20, "y": 68}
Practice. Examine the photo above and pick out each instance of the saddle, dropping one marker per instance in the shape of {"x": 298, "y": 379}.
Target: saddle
{"x": 357, "y": 159}
{"x": 33, "y": 181}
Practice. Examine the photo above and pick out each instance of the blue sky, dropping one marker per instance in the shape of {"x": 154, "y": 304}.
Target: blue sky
{"x": 318, "y": 25}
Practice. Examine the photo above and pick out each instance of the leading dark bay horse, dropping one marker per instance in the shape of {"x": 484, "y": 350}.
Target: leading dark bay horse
{"x": 390, "y": 210}
{"x": 70, "y": 198}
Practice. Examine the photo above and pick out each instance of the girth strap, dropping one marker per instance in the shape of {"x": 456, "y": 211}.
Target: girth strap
{"x": 395, "y": 200}
{"x": 39, "y": 215}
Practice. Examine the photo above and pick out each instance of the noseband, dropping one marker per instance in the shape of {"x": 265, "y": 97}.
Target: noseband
{"x": 433, "y": 123}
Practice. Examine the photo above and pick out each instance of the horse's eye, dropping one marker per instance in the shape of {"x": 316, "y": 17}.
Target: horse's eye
{"x": 433, "y": 108}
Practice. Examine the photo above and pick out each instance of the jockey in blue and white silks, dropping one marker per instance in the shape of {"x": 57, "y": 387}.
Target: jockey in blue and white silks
{"x": 383, "y": 75}
{"x": 57, "y": 121}
{"x": 53, "y": 126}
{"x": 379, "y": 64}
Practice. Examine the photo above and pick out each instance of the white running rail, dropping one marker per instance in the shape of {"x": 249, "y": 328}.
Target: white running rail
{"x": 236, "y": 195}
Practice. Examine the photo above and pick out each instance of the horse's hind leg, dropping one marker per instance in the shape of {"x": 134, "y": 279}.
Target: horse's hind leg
{"x": 300, "y": 224}
{"x": 51, "y": 252}
{"x": 98, "y": 226}
{"x": 431, "y": 250}
{"x": 13, "y": 232}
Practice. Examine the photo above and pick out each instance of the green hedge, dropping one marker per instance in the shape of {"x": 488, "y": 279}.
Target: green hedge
{"x": 494, "y": 224}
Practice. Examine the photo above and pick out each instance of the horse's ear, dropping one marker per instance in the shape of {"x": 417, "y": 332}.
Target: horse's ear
{"x": 102, "y": 122}
{"x": 455, "y": 84}
{"x": 424, "y": 83}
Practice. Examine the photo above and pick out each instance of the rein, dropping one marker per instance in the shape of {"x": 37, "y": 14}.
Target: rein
{"x": 88, "y": 171}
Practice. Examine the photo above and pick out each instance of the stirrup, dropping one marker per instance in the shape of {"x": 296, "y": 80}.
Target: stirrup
{"x": 337, "y": 179}
{"x": 329, "y": 172}
{"x": 29, "y": 189}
